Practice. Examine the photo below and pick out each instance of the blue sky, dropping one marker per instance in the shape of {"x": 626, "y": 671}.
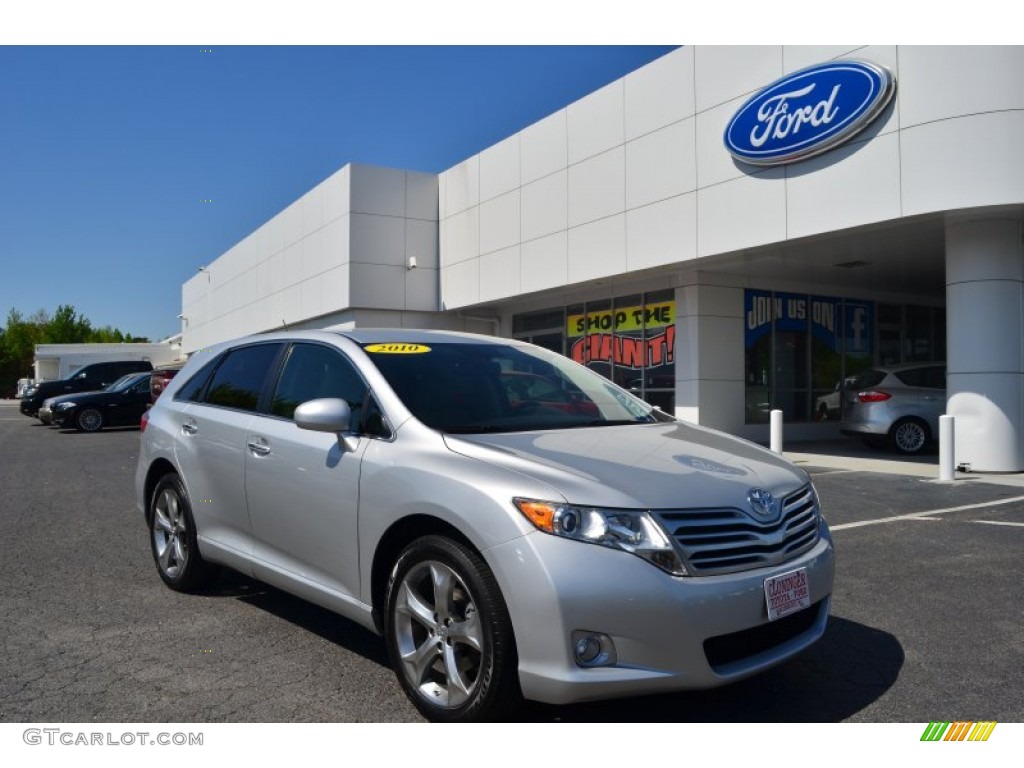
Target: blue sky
{"x": 107, "y": 153}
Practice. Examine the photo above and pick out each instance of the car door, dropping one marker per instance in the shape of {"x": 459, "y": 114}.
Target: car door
{"x": 127, "y": 407}
{"x": 213, "y": 420}
{"x": 302, "y": 488}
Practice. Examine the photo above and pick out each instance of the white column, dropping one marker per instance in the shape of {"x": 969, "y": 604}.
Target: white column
{"x": 985, "y": 346}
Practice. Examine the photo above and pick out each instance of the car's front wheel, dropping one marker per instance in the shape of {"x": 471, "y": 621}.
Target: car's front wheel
{"x": 172, "y": 537}
{"x": 448, "y": 633}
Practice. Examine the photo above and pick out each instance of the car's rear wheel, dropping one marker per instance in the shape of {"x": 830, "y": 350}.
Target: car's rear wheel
{"x": 448, "y": 633}
{"x": 909, "y": 436}
{"x": 89, "y": 420}
{"x": 172, "y": 536}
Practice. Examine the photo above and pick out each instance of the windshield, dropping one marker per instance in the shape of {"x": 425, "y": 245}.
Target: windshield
{"x": 473, "y": 388}
{"x": 123, "y": 383}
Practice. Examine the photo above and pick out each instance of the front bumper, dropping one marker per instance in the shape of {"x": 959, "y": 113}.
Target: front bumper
{"x": 670, "y": 633}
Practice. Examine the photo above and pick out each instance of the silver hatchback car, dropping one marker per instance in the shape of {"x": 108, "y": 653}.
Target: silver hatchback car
{"x": 899, "y": 406}
{"x": 578, "y": 546}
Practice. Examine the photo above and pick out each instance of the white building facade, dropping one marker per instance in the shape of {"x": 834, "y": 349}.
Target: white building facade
{"x": 622, "y": 231}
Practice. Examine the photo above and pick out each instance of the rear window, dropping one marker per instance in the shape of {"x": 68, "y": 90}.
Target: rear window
{"x": 871, "y": 378}
{"x": 931, "y": 377}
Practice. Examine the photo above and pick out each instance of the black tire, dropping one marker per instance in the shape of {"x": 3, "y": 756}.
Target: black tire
{"x": 89, "y": 420}
{"x": 172, "y": 538}
{"x": 909, "y": 436}
{"x": 434, "y": 644}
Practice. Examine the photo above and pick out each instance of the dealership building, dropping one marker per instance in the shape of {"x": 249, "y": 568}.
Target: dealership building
{"x": 724, "y": 231}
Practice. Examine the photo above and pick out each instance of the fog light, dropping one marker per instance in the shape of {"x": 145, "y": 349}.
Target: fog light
{"x": 593, "y": 649}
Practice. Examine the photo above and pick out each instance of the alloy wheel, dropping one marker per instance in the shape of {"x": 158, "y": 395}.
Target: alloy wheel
{"x": 170, "y": 534}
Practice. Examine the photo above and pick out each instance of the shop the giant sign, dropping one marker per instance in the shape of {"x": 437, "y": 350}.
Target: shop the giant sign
{"x": 617, "y": 336}
{"x": 809, "y": 112}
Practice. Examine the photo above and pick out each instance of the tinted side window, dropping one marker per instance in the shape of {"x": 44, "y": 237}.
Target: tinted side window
{"x": 238, "y": 381}
{"x": 192, "y": 390}
{"x": 932, "y": 377}
{"x": 867, "y": 379}
{"x": 313, "y": 371}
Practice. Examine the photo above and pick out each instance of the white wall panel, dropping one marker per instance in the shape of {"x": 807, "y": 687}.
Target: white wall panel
{"x": 499, "y": 168}
{"x": 499, "y": 274}
{"x": 544, "y": 206}
{"x": 544, "y": 147}
{"x": 946, "y": 166}
{"x": 597, "y": 249}
{"x": 377, "y": 239}
{"x": 596, "y": 122}
{"x": 377, "y": 286}
{"x": 460, "y": 284}
{"x": 661, "y": 164}
{"x": 499, "y": 222}
{"x": 421, "y": 196}
{"x": 462, "y": 237}
{"x": 377, "y": 190}
{"x": 723, "y": 72}
{"x": 597, "y": 187}
{"x": 421, "y": 287}
{"x": 796, "y": 57}
{"x": 714, "y": 163}
{"x": 311, "y": 210}
{"x": 311, "y": 297}
{"x": 853, "y": 185}
{"x": 335, "y": 242}
{"x": 938, "y": 82}
{"x": 545, "y": 263}
{"x": 421, "y": 242}
{"x": 462, "y": 186}
{"x": 335, "y": 291}
{"x": 335, "y": 191}
{"x": 660, "y": 93}
{"x": 662, "y": 233}
{"x": 741, "y": 213}
{"x": 291, "y": 222}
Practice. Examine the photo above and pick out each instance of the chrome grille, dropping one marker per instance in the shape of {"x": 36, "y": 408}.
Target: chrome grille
{"x": 717, "y": 541}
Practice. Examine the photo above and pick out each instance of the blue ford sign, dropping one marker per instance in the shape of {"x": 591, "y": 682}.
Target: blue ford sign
{"x": 808, "y": 112}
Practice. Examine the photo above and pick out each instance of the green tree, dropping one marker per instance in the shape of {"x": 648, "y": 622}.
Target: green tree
{"x": 67, "y": 327}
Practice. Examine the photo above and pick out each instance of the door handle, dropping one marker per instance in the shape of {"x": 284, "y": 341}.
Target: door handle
{"x": 189, "y": 427}
{"x": 258, "y": 446}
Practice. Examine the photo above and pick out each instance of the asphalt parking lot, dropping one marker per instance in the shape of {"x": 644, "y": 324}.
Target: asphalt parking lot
{"x": 926, "y": 618}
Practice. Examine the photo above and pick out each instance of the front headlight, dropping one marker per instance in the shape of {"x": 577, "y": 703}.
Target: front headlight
{"x": 63, "y": 406}
{"x": 30, "y": 391}
{"x": 632, "y": 531}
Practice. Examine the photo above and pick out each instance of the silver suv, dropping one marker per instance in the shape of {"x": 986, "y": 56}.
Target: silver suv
{"x": 899, "y": 405}
{"x": 571, "y": 546}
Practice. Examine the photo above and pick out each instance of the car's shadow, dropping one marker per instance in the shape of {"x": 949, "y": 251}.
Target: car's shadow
{"x": 312, "y": 618}
{"x": 851, "y": 667}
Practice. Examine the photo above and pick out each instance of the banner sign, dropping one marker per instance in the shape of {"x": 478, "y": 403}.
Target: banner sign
{"x": 623, "y": 319}
{"x": 792, "y": 311}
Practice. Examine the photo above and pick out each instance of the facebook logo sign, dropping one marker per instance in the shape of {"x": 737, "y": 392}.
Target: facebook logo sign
{"x": 858, "y": 327}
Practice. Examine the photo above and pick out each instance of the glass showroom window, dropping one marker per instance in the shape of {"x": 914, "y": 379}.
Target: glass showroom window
{"x": 800, "y": 350}
{"x": 629, "y": 339}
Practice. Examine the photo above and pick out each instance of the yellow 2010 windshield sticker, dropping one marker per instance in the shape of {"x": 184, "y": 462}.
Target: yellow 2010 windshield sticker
{"x": 397, "y": 348}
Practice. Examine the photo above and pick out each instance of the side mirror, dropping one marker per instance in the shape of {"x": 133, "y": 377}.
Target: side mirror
{"x": 328, "y": 414}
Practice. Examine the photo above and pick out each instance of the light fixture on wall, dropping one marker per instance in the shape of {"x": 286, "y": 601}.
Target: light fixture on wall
{"x": 412, "y": 263}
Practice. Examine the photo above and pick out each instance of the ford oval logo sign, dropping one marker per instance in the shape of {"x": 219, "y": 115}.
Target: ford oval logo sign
{"x": 809, "y": 112}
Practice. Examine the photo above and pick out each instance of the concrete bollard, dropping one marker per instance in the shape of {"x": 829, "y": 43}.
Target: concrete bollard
{"x": 776, "y": 431}
{"x": 947, "y": 449}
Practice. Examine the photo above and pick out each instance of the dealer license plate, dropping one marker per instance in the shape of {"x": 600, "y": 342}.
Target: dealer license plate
{"x": 787, "y": 593}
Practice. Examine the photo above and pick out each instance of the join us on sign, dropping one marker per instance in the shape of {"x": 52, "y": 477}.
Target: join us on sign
{"x": 765, "y": 309}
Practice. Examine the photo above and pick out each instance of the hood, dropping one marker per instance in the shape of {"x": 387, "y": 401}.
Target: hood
{"x": 643, "y": 466}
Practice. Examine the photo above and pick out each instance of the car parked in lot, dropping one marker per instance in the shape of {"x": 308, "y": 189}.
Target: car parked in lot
{"x": 119, "y": 405}
{"x": 89, "y": 378}
{"x": 161, "y": 375}
{"x": 553, "y": 553}
{"x": 898, "y": 405}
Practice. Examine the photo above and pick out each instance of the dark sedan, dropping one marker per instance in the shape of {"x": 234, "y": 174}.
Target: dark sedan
{"x": 117, "y": 406}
